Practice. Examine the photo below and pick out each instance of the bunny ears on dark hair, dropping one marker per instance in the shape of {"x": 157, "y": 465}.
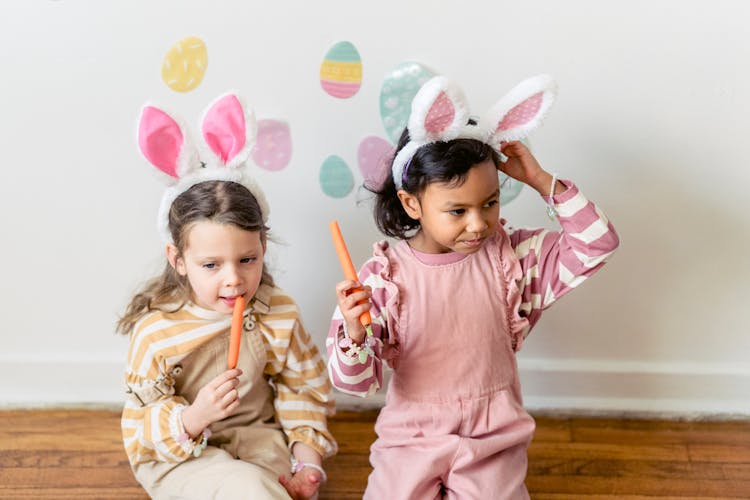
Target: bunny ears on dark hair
{"x": 228, "y": 130}
{"x": 439, "y": 113}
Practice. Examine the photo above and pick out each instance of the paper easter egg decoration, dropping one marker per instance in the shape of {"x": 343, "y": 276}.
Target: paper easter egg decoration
{"x": 509, "y": 187}
{"x": 185, "y": 64}
{"x": 336, "y": 179}
{"x": 374, "y": 156}
{"x": 273, "y": 147}
{"x": 341, "y": 71}
{"x": 396, "y": 94}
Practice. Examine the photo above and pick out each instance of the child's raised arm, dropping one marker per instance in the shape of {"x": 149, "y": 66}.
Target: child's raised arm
{"x": 553, "y": 262}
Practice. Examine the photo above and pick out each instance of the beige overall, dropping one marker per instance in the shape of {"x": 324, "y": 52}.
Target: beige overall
{"x": 247, "y": 451}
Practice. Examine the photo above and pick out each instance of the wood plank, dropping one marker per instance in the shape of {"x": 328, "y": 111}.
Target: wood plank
{"x": 634, "y": 469}
{"x": 602, "y": 451}
{"x": 102, "y": 492}
{"x": 564, "y": 496}
{"x": 660, "y": 432}
{"x": 722, "y": 453}
{"x": 645, "y": 486}
{"x": 35, "y": 458}
{"x": 61, "y": 454}
{"x": 556, "y": 430}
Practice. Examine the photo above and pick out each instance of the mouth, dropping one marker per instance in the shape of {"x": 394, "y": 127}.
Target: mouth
{"x": 230, "y": 300}
{"x": 473, "y": 243}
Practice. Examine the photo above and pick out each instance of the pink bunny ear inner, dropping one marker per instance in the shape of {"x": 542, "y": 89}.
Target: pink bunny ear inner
{"x": 440, "y": 116}
{"x": 160, "y": 139}
{"x": 224, "y": 128}
{"x": 521, "y": 114}
{"x": 438, "y": 111}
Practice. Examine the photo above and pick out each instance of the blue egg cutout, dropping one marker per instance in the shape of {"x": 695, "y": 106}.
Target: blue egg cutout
{"x": 336, "y": 179}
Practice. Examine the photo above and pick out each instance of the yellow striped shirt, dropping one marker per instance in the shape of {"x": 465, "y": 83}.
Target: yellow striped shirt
{"x": 151, "y": 420}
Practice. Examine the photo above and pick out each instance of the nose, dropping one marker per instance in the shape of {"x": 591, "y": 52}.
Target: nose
{"x": 232, "y": 276}
{"x": 476, "y": 222}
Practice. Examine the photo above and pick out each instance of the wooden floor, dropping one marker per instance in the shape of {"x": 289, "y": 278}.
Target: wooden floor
{"x": 78, "y": 454}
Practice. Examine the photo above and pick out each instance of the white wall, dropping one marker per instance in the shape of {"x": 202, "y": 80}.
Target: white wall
{"x": 652, "y": 122}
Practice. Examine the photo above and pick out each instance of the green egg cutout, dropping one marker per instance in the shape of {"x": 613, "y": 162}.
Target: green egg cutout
{"x": 399, "y": 88}
{"x": 509, "y": 187}
{"x": 336, "y": 179}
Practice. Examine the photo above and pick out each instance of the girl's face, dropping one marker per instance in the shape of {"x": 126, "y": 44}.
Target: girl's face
{"x": 456, "y": 218}
{"x": 221, "y": 262}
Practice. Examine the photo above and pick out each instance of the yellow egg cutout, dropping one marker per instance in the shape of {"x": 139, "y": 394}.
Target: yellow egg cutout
{"x": 185, "y": 64}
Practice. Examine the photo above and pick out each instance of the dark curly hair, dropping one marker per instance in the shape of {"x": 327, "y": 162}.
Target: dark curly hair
{"x": 445, "y": 162}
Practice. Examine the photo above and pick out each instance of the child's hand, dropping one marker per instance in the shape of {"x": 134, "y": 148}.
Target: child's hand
{"x": 216, "y": 400}
{"x": 348, "y": 304}
{"x": 522, "y": 166}
{"x": 303, "y": 484}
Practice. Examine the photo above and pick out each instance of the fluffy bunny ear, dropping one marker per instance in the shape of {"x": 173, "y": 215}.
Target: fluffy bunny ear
{"x": 164, "y": 142}
{"x": 521, "y": 110}
{"x": 438, "y": 111}
{"x": 229, "y": 130}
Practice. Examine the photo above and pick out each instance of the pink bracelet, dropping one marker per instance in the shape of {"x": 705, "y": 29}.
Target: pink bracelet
{"x": 361, "y": 352}
{"x": 200, "y": 442}
{"x": 298, "y": 466}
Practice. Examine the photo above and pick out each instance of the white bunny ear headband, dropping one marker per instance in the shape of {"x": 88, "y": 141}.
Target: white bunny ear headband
{"x": 439, "y": 113}
{"x": 228, "y": 130}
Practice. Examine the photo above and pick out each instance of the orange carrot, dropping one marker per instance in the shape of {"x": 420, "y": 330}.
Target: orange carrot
{"x": 349, "y": 272}
{"x": 236, "y": 332}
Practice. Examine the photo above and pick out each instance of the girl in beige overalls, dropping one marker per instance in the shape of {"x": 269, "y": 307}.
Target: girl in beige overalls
{"x": 191, "y": 427}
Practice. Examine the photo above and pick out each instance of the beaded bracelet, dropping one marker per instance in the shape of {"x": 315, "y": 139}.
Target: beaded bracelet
{"x": 361, "y": 352}
{"x": 298, "y": 466}
{"x": 200, "y": 442}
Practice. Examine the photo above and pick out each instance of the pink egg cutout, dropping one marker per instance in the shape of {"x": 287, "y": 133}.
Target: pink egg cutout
{"x": 374, "y": 156}
{"x": 273, "y": 146}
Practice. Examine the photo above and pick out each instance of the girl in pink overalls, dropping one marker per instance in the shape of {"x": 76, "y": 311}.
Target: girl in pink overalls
{"x": 194, "y": 428}
{"x": 453, "y": 300}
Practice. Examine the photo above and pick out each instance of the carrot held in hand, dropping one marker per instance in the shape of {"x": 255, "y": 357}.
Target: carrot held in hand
{"x": 349, "y": 272}
{"x": 236, "y": 332}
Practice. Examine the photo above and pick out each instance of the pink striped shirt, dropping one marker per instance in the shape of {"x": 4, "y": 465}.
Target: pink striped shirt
{"x": 552, "y": 263}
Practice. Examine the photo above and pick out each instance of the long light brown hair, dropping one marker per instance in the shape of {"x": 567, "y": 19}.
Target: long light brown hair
{"x": 222, "y": 202}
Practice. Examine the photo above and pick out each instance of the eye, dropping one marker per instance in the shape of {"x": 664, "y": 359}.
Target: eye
{"x": 247, "y": 260}
{"x": 458, "y": 211}
{"x": 491, "y": 203}
{"x": 209, "y": 265}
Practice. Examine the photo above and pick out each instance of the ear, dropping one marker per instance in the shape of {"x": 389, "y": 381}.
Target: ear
{"x": 438, "y": 111}
{"x": 229, "y": 130}
{"x": 518, "y": 113}
{"x": 411, "y": 204}
{"x": 174, "y": 259}
{"x": 164, "y": 142}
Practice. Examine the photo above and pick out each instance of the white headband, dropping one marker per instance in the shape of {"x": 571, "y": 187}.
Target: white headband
{"x": 228, "y": 130}
{"x": 439, "y": 113}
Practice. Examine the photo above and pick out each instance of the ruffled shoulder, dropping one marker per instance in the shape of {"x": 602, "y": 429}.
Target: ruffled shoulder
{"x": 386, "y": 297}
{"x": 511, "y": 274}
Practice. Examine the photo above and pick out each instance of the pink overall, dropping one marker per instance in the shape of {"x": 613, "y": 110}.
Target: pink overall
{"x": 453, "y": 425}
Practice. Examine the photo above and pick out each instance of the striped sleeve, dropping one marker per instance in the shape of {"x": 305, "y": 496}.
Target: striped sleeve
{"x": 303, "y": 392}
{"x": 555, "y": 262}
{"x": 346, "y": 372}
{"x": 152, "y": 417}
